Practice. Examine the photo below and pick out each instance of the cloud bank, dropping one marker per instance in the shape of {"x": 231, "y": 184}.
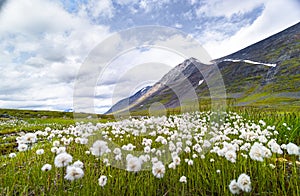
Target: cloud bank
{"x": 43, "y": 43}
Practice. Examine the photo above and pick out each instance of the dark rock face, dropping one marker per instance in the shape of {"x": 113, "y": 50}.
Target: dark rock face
{"x": 245, "y": 73}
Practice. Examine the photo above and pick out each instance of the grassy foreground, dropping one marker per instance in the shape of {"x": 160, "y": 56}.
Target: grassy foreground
{"x": 198, "y": 156}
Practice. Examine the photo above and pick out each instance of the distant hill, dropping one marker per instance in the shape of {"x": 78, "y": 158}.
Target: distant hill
{"x": 265, "y": 74}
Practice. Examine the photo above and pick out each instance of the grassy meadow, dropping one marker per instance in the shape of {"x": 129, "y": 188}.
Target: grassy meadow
{"x": 249, "y": 151}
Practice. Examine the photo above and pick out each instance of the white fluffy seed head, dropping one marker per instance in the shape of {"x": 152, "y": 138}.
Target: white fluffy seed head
{"x": 62, "y": 159}
{"x": 12, "y": 155}
{"x": 40, "y": 151}
{"x": 256, "y": 152}
{"x": 102, "y": 180}
{"x": 74, "y": 173}
{"x": 134, "y": 164}
{"x": 46, "y": 167}
{"x": 22, "y": 147}
{"x": 172, "y": 165}
{"x": 231, "y": 156}
{"x": 56, "y": 143}
{"x": 234, "y": 188}
{"x": 78, "y": 164}
{"x": 182, "y": 179}
{"x": 61, "y": 149}
{"x": 99, "y": 148}
{"x": 292, "y": 149}
{"x": 190, "y": 162}
{"x": 158, "y": 170}
{"x": 244, "y": 182}
{"x": 29, "y": 138}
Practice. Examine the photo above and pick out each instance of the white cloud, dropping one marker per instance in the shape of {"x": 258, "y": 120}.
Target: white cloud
{"x": 277, "y": 15}
{"x": 98, "y": 8}
{"x": 126, "y": 2}
{"x": 192, "y": 2}
{"x": 132, "y": 71}
{"x": 42, "y": 47}
{"x": 149, "y": 5}
{"x": 178, "y": 25}
{"x": 213, "y": 8}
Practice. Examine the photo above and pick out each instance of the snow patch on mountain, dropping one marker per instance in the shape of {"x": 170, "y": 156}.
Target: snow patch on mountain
{"x": 250, "y": 62}
{"x": 144, "y": 89}
{"x": 200, "y": 82}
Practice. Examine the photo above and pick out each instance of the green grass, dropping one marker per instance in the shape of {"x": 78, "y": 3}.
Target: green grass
{"x": 253, "y": 98}
{"x": 26, "y": 114}
{"x": 23, "y": 121}
{"x": 22, "y": 175}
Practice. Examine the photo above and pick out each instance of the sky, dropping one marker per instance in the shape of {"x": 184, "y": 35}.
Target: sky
{"x": 44, "y": 43}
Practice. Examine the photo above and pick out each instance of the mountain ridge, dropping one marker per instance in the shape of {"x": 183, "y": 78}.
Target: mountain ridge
{"x": 265, "y": 73}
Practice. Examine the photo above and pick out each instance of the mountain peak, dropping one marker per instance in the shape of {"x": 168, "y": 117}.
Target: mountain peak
{"x": 184, "y": 69}
{"x": 265, "y": 73}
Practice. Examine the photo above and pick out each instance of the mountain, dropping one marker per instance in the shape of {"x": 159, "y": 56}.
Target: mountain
{"x": 265, "y": 74}
{"x": 128, "y": 101}
{"x": 274, "y": 82}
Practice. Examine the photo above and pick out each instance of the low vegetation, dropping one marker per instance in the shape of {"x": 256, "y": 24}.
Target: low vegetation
{"x": 246, "y": 151}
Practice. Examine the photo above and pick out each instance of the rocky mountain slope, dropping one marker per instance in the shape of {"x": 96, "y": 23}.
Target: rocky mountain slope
{"x": 266, "y": 74}
{"x": 128, "y": 101}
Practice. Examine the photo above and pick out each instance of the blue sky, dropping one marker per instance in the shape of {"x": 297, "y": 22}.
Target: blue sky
{"x": 43, "y": 43}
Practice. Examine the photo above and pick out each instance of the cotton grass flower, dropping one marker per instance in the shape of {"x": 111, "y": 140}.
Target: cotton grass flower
{"x": 29, "y": 138}
{"x": 182, "y": 179}
{"x": 56, "y": 143}
{"x": 46, "y": 167}
{"x": 231, "y": 156}
{"x": 117, "y": 151}
{"x": 134, "y": 164}
{"x": 234, "y": 188}
{"x": 22, "y": 147}
{"x": 61, "y": 149}
{"x": 292, "y": 149}
{"x": 78, "y": 164}
{"x": 256, "y": 152}
{"x": 62, "y": 159}
{"x": 54, "y": 149}
{"x": 102, "y": 180}
{"x": 176, "y": 160}
{"x": 144, "y": 158}
{"x": 106, "y": 162}
{"x": 47, "y": 129}
{"x": 266, "y": 152}
{"x": 244, "y": 182}
{"x": 12, "y": 155}
{"x": 39, "y": 151}
{"x": 67, "y": 142}
{"x": 99, "y": 148}
{"x": 172, "y": 165}
{"x": 118, "y": 157}
{"x": 147, "y": 149}
{"x": 190, "y": 162}
{"x": 154, "y": 160}
{"x": 74, "y": 173}
{"x": 275, "y": 148}
{"x": 158, "y": 170}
